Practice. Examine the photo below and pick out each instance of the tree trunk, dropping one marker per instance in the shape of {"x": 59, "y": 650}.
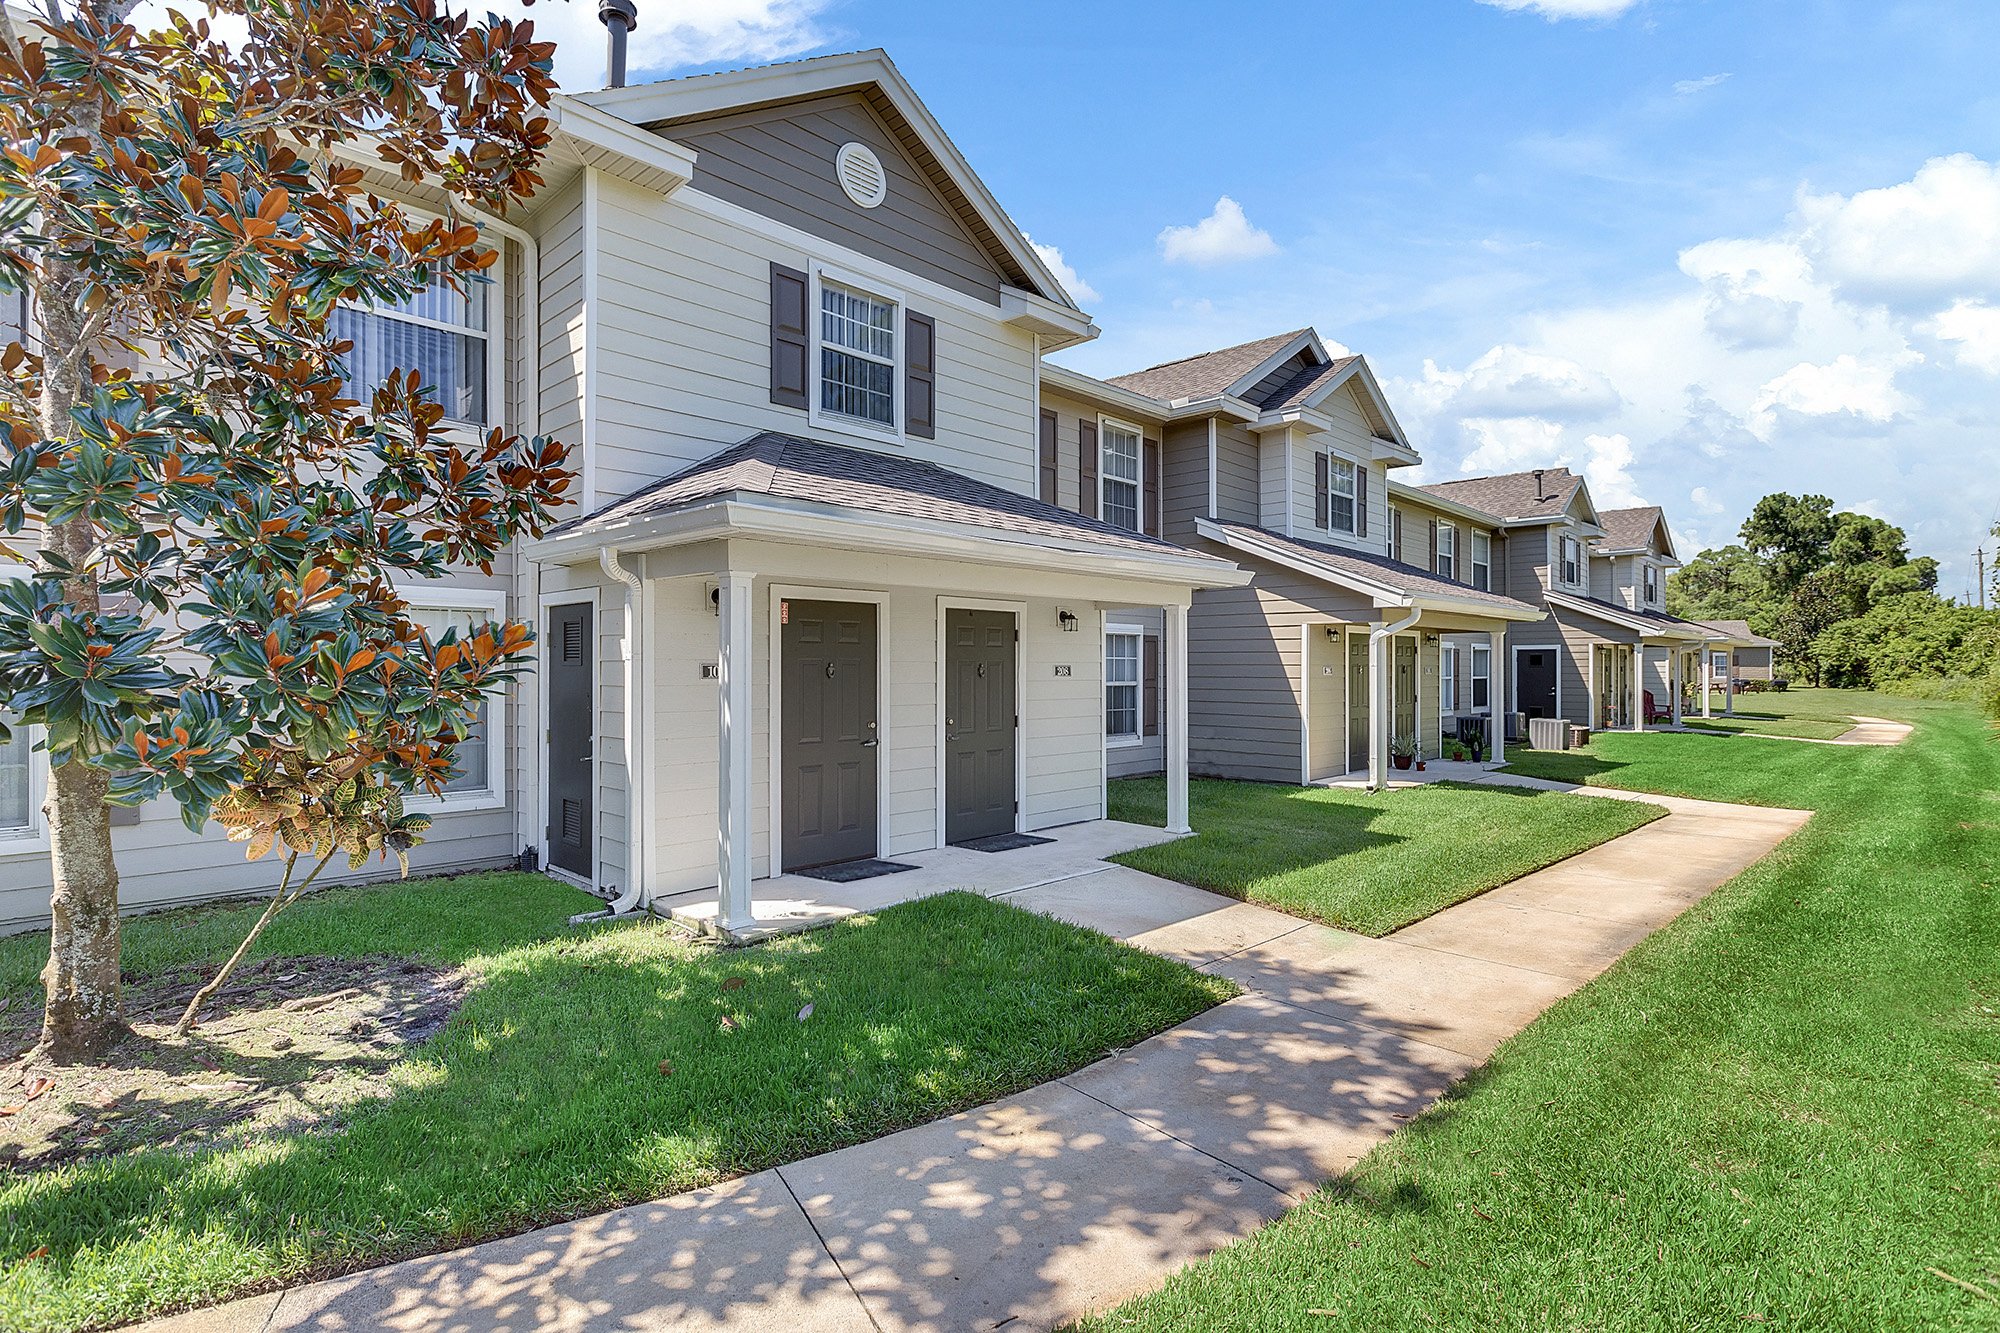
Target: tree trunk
{"x": 85, "y": 1013}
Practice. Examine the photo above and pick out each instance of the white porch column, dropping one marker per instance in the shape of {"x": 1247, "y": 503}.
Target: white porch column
{"x": 1676, "y": 672}
{"x": 1729, "y": 686}
{"x": 1707, "y": 682}
{"x": 1176, "y": 719}
{"x": 1496, "y": 694}
{"x": 1378, "y": 711}
{"x": 732, "y": 825}
{"x": 1638, "y": 687}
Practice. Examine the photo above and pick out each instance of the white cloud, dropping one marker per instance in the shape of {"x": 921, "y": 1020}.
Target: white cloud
{"x": 1079, "y": 290}
{"x": 1515, "y": 444}
{"x": 1225, "y": 236}
{"x": 1975, "y": 327}
{"x": 1845, "y": 387}
{"x": 1929, "y": 240}
{"x": 1689, "y": 87}
{"x": 1510, "y": 381}
{"x": 1556, "y": 10}
{"x": 1607, "y": 466}
{"x": 1705, "y": 503}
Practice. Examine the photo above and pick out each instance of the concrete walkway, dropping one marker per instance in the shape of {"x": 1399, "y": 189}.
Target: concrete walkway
{"x": 1865, "y": 731}
{"x": 1074, "y": 1195}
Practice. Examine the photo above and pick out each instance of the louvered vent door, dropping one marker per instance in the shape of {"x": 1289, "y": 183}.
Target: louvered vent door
{"x": 572, "y": 772}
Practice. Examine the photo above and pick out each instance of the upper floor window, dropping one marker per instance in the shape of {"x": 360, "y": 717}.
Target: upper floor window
{"x": 1121, "y": 684}
{"x": 1447, "y": 551}
{"x": 1118, "y": 474}
{"x": 441, "y": 334}
{"x": 1570, "y": 560}
{"x": 1482, "y": 561}
{"x": 1652, "y": 584}
{"x": 857, "y": 355}
{"x": 1340, "y": 492}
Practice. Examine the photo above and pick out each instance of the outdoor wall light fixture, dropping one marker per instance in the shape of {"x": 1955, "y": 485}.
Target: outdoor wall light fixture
{"x": 1333, "y": 634}
{"x": 1067, "y": 619}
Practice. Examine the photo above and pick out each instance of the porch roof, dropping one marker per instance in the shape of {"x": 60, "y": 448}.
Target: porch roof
{"x": 1646, "y": 624}
{"x": 811, "y": 479}
{"x": 1737, "y": 634}
{"x": 1389, "y": 582}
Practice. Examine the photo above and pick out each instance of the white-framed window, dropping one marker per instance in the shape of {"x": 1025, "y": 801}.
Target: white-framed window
{"x": 1651, "y": 578}
{"x": 1447, "y": 551}
{"x": 1122, "y": 650}
{"x": 859, "y": 353}
{"x": 1448, "y": 680}
{"x": 1570, "y": 560}
{"x": 1119, "y": 448}
{"x": 1340, "y": 493}
{"x": 1482, "y": 561}
{"x": 445, "y": 336}
{"x": 1395, "y": 533}
{"x": 19, "y": 786}
{"x": 480, "y": 759}
{"x": 1482, "y": 676}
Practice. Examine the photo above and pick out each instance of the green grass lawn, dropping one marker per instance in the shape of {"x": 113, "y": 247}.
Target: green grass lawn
{"x": 1369, "y": 863}
{"x": 546, "y": 1098}
{"x": 1813, "y": 714}
{"x": 1781, "y": 1111}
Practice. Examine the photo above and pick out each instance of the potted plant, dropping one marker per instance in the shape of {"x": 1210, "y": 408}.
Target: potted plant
{"x": 1403, "y": 751}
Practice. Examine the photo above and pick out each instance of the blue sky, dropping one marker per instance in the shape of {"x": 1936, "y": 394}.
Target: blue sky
{"x": 1701, "y": 249}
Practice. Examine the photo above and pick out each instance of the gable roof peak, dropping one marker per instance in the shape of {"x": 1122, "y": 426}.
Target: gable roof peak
{"x": 1207, "y": 374}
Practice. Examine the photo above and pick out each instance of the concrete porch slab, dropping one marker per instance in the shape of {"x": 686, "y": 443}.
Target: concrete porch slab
{"x": 787, "y": 904}
{"x": 1161, "y": 916}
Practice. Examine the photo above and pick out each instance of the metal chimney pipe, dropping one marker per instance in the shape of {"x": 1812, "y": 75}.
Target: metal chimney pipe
{"x": 619, "y": 18}
{"x": 1538, "y": 471}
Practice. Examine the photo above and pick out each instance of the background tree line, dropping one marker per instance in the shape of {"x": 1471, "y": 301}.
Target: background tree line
{"x": 1846, "y": 602}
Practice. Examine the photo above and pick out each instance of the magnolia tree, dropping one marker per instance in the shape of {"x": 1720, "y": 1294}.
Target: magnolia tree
{"x": 213, "y": 518}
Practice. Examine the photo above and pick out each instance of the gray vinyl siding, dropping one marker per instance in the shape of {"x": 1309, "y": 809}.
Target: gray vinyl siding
{"x": 1183, "y": 480}
{"x": 1070, "y": 414}
{"x": 1237, "y": 498}
{"x": 779, "y": 162}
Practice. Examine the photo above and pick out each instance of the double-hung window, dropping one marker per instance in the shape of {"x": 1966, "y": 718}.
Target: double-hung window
{"x": 1482, "y": 561}
{"x": 1447, "y": 551}
{"x": 1448, "y": 680}
{"x": 1121, "y": 684}
{"x": 443, "y": 335}
{"x": 1482, "y": 677}
{"x": 1652, "y": 579}
{"x": 1118, "y": 475}
{"x": 1340, "y": 492}
{"x": 857, "y": 355}
{"x": 1571, "y": 560}
{"x": 477, "y": 759}
{"x": 17, "y": 780}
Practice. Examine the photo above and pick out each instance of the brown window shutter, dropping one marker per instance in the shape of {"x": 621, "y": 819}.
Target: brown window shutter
{"x": 1149, "y": 689}
{"x": 1434, "y": 546}
{"x": 1086, "y": 460}
{"x": 1152, "y": 474}
{"x": 1322, "y": 490}
{"x": 1361, "y": 499}
{"x": 1049, "y": 456}
{"x": 1396, "y": 531}
{"x": 790, "y": 381}
{"x": 919, "y": 376}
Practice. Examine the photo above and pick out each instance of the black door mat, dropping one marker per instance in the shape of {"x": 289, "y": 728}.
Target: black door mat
{"x": 846, "y": 872}
{"x": 1003, "y": 842}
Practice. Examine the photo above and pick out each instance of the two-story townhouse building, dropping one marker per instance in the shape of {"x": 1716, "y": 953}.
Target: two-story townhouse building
{"x": 1599, "y": 581}
{"x": 813, "y": 609}
{"x": 1273, "y": 454}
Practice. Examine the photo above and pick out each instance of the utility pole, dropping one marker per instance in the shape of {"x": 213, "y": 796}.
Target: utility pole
{"x": 1979, "y": 563}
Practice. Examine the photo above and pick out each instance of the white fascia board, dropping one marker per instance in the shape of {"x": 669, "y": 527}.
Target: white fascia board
{"x": 1059, "y": 325}
{"x": 1079, "y": 385}
{"x": 729, "y": 90}
{"x": 1645, "y": 629}
{"x": 1402, "y": 489}
{"x": 1452, "y": 606}
{"x": 1303, "y": 417}
{"x": 780, "y": 520}
{"x": 621, "y": 148}
{"x": 1381, "y": 594}
{"x": 1222, "y": 405}
{"x": 1303, "y": 339}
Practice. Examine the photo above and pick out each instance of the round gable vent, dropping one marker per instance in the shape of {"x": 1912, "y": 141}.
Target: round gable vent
{"x": 861, "y": 174}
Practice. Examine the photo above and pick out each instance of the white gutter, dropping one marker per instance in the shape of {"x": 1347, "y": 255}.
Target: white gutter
{"x": 638, "y": 771}
{"x": 1378, "y": 719}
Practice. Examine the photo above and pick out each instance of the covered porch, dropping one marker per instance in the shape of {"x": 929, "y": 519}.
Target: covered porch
{"x": 824, "y": 662}
{"x": 1643, "y": 667}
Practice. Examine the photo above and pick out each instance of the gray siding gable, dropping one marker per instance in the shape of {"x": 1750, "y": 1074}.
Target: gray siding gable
{"x": 779, "y": 162}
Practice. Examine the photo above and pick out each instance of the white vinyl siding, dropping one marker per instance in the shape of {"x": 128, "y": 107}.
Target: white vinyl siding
{"x": 1349, "y": 436}
{"x": 1118, "y": 474}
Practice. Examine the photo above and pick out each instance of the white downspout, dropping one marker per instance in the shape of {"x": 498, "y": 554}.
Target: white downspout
{"x": 638, "y": 818}
{"x": 1378, "y": 702}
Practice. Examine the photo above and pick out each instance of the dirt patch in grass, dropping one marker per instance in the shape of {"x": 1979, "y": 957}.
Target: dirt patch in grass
{"x": 285, "y": 1048}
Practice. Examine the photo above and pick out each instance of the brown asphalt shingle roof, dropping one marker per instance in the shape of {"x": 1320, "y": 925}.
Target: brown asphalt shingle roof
{"x": 1658, "y": 619}
{"x": 1739, "y": 629}
{"x": 1628, "y": 529}
{"x": 1299, "y": 387}
{"x": 1410, "y": 579}
{"x": 1205, "y": 375}
{"x": 790, "y": 468}
{"x": 1512, "y": 494}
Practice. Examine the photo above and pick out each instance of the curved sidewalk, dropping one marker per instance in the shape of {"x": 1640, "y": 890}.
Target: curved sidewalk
{"x": 1865, "y": 731}
{"x": 1074, "y": 1195}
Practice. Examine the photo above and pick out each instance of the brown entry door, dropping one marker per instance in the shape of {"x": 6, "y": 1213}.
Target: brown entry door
{"x": 831, "y": 738}
{"x": 979, "y": 725}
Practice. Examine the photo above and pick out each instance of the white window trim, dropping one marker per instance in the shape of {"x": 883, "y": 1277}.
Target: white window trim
{"x": 1448, "y": 672}
{"x": 1441, "y": 554}
{"x": 493, "y": 601}
{"x": 1473, "y": 564}
{"x": 1582, "y": 579}
{"x": 32, "y": 839}
{"x": 840, "y": 422}
{"x": 1473, "y": 674}
{"x": 1649, "y": 584}
{"x": 1139, "y": 482}
{"x": 1353, "y": 494}
{"x": 1138, "y": 734}
{"x": 498, "y": 392}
